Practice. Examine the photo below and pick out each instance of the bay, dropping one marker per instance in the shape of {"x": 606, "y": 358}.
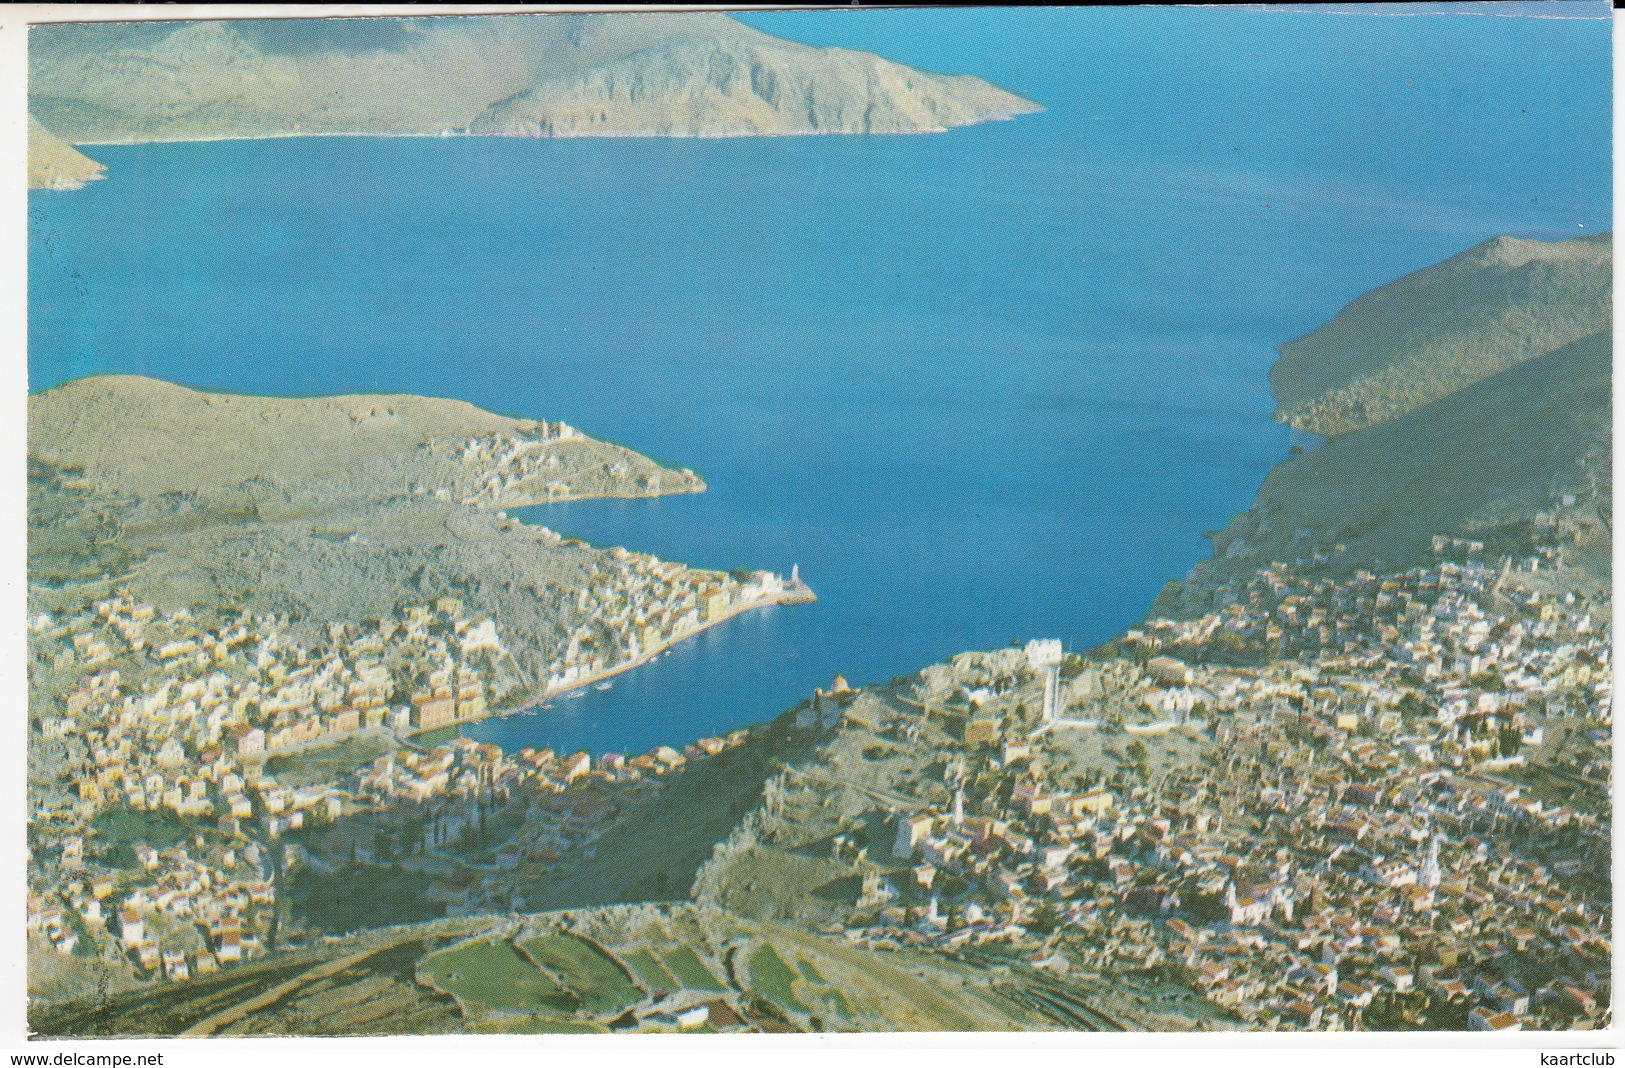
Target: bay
{"x": 980, "y": 386}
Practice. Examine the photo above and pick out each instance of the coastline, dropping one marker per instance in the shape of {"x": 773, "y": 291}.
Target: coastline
{"x": 698, "y": 487}
{"x": 710, "y": 135}
{"x": 801, "y": 595}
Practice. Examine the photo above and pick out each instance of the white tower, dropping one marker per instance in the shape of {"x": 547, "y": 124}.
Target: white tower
{"x": 959, "y": 806}
{"x": 1044, "y": 655}
{"x": 1430, "y": 876}
{"x": 903, "y": 846}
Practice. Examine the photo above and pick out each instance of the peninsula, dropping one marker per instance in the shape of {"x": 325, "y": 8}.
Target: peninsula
{"x": 1443, "y": 328}
{"x": 1472, "y": 398}
{"x": 364, "y": 536}
{"x": 689, "y": 74}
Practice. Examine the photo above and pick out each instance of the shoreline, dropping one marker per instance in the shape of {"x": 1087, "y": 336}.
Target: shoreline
{"x": 646, "y": 135}
{"x": 802, "y": 595}
{"x": 700, "y": 486}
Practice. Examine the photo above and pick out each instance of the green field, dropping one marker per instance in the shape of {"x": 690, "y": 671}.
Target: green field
{"x": 686, "y": 965}
{"x": 493, "y": 975}
{"x": 122, "y": 826}
{"x": 594, "y": 976}
{"x": 772, "y": 979}
{"x": 649, "y": 971}
{"x": 327, "y": 763}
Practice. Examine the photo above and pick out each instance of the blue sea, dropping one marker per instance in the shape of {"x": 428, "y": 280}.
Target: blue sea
{"x": 980, "y": 386}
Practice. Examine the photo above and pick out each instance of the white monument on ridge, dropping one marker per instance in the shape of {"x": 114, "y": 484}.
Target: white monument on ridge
{"x": 1044, "y": 657}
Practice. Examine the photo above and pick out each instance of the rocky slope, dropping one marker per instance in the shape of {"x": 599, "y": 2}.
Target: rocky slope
{"x": 1485, "y": 457}
{"x": 1472, "y": 399}
{"x": 326, "y": 509}
{"x": 140, "y": 436}
{"x": 691, "y": 74}
{"x": 55, "y": 164}
{"x": 740, "y": 84}
{"x": 1443, "y": 328}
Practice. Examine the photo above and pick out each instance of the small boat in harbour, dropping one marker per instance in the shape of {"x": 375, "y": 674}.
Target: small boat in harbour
{"x": 603, "y": 685}
{"x": 574, "y": 694}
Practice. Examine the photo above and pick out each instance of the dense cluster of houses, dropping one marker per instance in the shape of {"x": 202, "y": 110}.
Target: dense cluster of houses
{"x": 171, "y": 913}
{"x": 641, "y": 604}
{"x": 175, "y": 716}
{"x": 1365, "y": 842}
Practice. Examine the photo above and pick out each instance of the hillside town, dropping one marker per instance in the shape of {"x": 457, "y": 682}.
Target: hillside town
{"x": 1316, "y": 800}
{"x": 174, "y": 754}
{"x": 1370, "y": 802}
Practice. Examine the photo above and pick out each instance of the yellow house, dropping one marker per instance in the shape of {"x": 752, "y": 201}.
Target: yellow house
{"x": 1094, "y": 802}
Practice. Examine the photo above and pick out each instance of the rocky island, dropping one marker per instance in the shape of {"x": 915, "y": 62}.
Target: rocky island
{"x": 649, "y": 74}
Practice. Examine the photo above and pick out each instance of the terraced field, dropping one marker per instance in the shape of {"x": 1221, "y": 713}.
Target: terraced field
{"x": 772, "y": 979}
{"x": 491, "y": 974}
{"x": 686, "y": 966}
{"x": 598, "y": 980}
{"x": 649, "y": 971}
{"x": 580, "y": 972}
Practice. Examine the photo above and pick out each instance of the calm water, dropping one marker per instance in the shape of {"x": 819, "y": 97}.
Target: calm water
{"x": 982, "y": 386}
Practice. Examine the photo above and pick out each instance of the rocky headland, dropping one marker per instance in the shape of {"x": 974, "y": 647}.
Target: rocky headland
{"x": 323, "y": 510}
{"x": 1438, "y": 330}
{"x": 55, "y": 164}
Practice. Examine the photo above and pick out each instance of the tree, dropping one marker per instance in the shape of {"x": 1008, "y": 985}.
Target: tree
{"x": 1411, "y": 705}
{"x": 1044, "y": 919}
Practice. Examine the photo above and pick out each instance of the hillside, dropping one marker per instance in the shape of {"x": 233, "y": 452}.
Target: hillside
{"x": 1472, "y": 399}
{"x": 330, "y": 509}
{"x": 692, "y": 74}
{"x": 612, "y": 969}
{"x": 145, "y": 437}
{"x": 747, "y": 84}
{"x": 1489, "y": 456}
{"x": 1443, "y": 328}
{"x": 55, "y": 164}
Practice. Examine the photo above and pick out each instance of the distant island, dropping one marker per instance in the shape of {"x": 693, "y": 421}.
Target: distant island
{"x": 550, "y": 75}
{"x": 1352, "y": 773}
